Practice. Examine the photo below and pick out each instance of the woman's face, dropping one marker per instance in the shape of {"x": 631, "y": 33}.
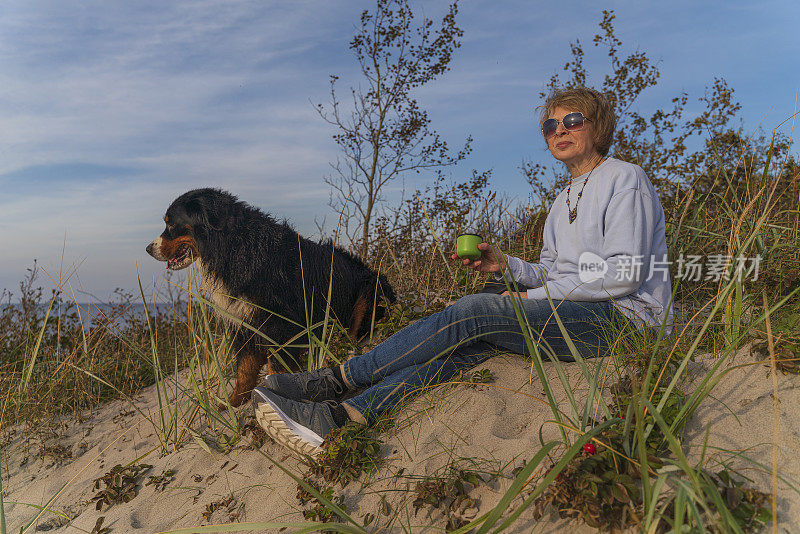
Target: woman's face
{"x": 571, "y": 148}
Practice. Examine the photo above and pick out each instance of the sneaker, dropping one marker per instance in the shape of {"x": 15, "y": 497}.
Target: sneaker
{"x": 319, "y": 385}
{"x": 297, "y": 425}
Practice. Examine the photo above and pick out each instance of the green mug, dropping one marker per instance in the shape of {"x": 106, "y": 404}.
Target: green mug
{"x": 467, "y": 246}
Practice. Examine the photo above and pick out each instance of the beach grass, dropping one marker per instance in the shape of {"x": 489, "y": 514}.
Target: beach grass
{"x": 617, "y": 458}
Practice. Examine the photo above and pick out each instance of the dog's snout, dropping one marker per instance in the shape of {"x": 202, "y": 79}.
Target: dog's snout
{"x": 154, "y": 249}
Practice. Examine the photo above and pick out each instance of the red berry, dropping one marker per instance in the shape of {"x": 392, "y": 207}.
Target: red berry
{"x": 589, "y": 448}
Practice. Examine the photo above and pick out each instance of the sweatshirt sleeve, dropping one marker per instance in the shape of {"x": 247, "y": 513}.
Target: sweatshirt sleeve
{"x": 628, "y": 223}
{"x": 532, "y": 274}
{"x": 528, "y": 274}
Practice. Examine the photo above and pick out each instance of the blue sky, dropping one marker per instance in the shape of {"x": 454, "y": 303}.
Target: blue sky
{"x": 110, "y": 109}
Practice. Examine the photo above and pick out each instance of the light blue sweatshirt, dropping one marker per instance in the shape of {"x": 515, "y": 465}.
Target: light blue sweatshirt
{"x": 615, "y": 249}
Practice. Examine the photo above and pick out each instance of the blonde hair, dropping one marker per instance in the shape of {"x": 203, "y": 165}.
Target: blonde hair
{"x": 594, "y": 107}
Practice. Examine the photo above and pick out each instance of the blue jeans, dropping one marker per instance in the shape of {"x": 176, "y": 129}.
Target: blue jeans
{"x": 436, "y": 348}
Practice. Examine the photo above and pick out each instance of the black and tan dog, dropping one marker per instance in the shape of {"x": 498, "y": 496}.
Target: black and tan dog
{"x": 245, "y": 257}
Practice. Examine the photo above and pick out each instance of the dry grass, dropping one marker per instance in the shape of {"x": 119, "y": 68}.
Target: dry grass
{"x": 53, "y": 365}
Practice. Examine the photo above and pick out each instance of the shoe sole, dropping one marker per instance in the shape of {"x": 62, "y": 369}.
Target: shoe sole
{"x": 285, "y": 430}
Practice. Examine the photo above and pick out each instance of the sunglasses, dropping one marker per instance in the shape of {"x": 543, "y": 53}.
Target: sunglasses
{"x": 572, "y": 122}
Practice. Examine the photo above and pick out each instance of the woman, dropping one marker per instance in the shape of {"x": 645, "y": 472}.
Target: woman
{"x": 603, "y": 263}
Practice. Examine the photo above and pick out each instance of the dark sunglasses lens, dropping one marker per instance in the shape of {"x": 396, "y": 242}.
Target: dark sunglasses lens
{"x": 573, "y": 121}
{"x": 549, "y": 127}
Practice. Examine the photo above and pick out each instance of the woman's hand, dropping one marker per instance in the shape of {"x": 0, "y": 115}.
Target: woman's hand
{"x": 520, "y": 295}
{"x": 491, "y": 260}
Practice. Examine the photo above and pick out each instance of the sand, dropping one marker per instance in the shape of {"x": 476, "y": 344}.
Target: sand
{"x": 490, "y": 428}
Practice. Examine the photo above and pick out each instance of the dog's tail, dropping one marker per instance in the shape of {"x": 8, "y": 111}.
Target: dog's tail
{"x": 374, "y": 294}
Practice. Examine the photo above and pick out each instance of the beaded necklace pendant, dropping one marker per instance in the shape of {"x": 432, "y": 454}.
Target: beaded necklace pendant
{"x": 573, "y": 212}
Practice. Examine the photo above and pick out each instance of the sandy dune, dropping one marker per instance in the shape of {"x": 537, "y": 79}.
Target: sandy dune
{"x": 489, "y": 429}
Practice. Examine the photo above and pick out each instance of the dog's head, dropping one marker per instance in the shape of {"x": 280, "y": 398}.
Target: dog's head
{"x": 189, "y": 220}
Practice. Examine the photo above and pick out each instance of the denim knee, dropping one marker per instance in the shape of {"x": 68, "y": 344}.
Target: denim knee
{"x": 475, "y": 305}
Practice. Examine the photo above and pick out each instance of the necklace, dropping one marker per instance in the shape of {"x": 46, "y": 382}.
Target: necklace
{"x": 573, "y": 212}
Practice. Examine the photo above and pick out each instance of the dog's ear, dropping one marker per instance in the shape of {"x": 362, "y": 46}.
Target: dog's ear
{"x": 204, "y": 212}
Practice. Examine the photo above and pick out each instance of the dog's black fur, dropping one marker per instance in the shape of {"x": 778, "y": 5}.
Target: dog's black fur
{"x": 245, "y": 254}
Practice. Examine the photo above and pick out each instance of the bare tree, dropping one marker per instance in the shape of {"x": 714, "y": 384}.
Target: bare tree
{"x": 660, "y": 142}
{"x": 385, "y": 134}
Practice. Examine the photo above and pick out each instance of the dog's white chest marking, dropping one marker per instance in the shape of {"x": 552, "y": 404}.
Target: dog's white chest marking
{"x": 220, "y": 297}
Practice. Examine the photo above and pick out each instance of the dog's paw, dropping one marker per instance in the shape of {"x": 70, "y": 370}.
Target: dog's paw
{"x": 237, "y": 399}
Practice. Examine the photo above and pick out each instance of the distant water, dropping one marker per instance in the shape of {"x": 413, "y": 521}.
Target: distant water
{"x": 93, "y": 312}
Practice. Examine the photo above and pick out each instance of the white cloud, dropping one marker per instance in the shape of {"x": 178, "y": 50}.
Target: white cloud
{"x": 202, "y": 92}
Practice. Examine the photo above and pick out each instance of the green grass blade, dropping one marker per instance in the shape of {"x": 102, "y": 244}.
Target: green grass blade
{"x": 521, "y": 479}
{"x": 709, "y": 381}
{"x": 537, "y": 359}
{"x": 308, "y": 487}
{"x": 650, "y": 506}
{"x": 591, "y": 378}
{"x": 436, "y": 241}
{"x": 557, "y": 468}
{"x": 638, "y": 414}
{"x": 155, "y": 362}
{"x": 23, "y": 386}
{"x": 722, "y": 508}
{"x": 43, "y": 508}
